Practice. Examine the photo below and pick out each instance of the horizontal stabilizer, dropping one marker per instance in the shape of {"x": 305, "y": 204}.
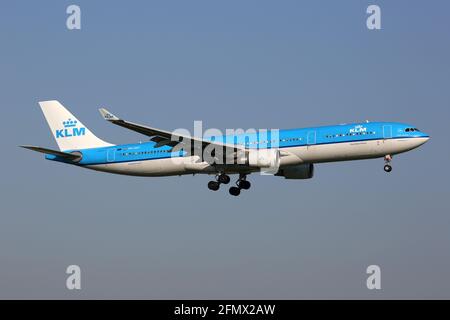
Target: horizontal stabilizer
{"x": 65, "y": 155}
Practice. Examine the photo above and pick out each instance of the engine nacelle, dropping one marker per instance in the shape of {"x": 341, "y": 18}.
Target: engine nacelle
{"x": 264, "y": 158}
{"x": 301, "y": 171}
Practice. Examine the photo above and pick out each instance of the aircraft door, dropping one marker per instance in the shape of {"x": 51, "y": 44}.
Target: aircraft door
{"x": 387, "y": 132}
{"x": 111, "y": 155}
{"x": 311, "y": 138}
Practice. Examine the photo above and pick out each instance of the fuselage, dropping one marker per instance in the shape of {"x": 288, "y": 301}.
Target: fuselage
{"x": 305, "y": 145}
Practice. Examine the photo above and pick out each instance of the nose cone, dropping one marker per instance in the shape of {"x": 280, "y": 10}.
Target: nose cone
{"x": 423, "y": 138}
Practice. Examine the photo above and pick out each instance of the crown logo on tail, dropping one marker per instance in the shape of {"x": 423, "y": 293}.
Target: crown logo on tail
{"x": 70, "y": 123}
{"x": 71, "y": 129}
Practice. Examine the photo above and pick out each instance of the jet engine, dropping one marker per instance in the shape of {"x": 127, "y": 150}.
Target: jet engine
{"x": 264, "y": 158}
{"x": 301, "y": 171}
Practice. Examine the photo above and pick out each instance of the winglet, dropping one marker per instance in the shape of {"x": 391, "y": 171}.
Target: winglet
{"x": 107, "y": 115}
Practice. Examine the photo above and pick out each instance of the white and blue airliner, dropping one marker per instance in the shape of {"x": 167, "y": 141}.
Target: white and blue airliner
{"x": 293, "y": 152}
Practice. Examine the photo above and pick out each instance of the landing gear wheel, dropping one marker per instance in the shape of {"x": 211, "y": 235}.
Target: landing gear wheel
{"x": 235, "y": 191}
{"x": 213, "y": 185}
{"x": 223, "y": 178}
{"x": 387, "y": 160}
{"x": 244, "y": 184}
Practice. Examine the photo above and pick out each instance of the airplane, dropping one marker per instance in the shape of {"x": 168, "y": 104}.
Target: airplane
{"x": 292, "y": 152}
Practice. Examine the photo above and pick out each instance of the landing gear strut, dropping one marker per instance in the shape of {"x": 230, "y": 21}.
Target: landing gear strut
{"x": 220, "y": 179}
{"x": 387, "y": 161}
{"x": 242, "y": 183}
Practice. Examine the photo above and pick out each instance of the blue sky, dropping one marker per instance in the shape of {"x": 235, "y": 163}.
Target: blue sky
{"x": 231, "y": 64}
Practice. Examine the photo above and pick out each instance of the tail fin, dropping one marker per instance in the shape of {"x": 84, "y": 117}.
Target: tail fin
{"x": 67, "y": 130}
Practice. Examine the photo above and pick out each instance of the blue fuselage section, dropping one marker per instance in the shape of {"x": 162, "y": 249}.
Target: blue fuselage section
{"x": 288, "y": 138}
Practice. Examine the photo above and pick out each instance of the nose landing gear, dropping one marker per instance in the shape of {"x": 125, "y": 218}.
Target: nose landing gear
{"x": 387, "y": 161}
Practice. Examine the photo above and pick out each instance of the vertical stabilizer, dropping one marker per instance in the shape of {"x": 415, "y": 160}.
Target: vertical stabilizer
{"x": 67, "y": 130}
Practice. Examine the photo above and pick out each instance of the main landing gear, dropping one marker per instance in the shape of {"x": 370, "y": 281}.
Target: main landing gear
{"x": 220, "y": 179}
{"x": 241, "y": 183}
{"x": 387, "y": 161}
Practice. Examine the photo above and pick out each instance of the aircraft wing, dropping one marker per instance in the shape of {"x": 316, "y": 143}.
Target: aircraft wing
{"x": 163, "y": 137}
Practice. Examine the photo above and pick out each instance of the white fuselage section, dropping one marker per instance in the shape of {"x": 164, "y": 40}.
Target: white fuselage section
{"x": 297, "y": 155}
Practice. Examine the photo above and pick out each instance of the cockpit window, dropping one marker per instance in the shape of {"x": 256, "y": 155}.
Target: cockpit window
{"x": 411, "y": 129}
